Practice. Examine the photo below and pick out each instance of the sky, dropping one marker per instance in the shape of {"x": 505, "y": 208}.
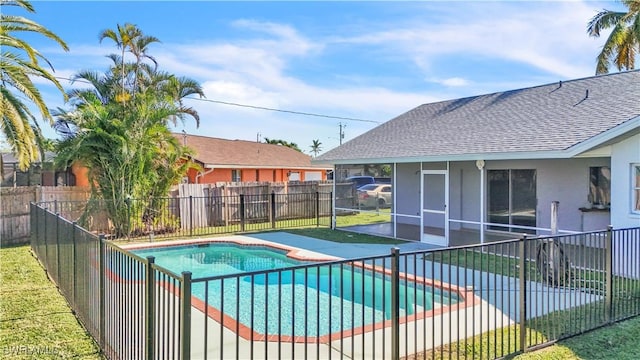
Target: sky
{"x": 358, "y": 64}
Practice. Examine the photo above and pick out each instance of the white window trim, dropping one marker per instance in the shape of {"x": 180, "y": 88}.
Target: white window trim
{"x": 234, "y": 172}
{"x": 634, "y": 187}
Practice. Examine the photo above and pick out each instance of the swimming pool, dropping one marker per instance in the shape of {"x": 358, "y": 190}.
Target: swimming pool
{"x": 311, "y": 299}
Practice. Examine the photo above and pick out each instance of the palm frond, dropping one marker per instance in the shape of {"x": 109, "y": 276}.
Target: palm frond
{"x": 12, "y": 23}
{"x": 623, "y": 43}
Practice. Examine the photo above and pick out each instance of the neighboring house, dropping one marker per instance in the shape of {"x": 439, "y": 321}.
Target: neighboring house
{"x": 493, "y": 164}
{"x": 223, "y": 160}
{"x": 39, "y": 173}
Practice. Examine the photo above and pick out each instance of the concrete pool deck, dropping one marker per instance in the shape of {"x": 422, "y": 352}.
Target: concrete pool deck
{"x": 440, "y": 329}
{"x": 342, "y": 250}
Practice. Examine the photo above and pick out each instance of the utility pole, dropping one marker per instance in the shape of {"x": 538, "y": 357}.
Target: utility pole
{"x": 258, "y": 137}
{"x": 341, "y": 136}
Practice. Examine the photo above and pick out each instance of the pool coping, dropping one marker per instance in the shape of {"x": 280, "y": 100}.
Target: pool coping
{"x": 292, "y": 252}
{"x": 467, "y": 295}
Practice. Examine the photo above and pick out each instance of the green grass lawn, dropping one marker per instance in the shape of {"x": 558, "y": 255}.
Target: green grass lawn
{"x": 618, "y": 341}
{"x": 35, "y": 320}
{"x": 364, "y": 218}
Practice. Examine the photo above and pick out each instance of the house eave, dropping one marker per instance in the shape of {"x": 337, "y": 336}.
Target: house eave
{"x": 244, "y": 166}
{"x": 630, "y": 127}
{"x": 457, "y": 157}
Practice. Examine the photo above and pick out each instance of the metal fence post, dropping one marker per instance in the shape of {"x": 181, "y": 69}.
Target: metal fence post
{"x": 273, "y": 209}
{"x": 101, "y": 287}
{"x": 74, "y": 260}
{"x": 151, "y": 307}
{"x": 608, "y": 273}
{"x": 32, "y": 226}
{"x": 185, "y": 318}
{"x": 332, "y": 211}
{"x": 45, "y": 237}
{"x": 190, "y": 215}
{"x": 395, "y": 303}
{"x": 127, "y": 201}
{"x": 522, "y": 253}
{"x": 58, "y": 262}
{"x": 242, "y": 212}
{"x": 317, "y": 209}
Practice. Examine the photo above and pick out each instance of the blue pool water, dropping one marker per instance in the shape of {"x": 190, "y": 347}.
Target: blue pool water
{"x": 316, "y": 300}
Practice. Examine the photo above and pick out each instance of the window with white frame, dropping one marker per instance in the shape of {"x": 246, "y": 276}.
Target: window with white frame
{"x": 236, "y": 175}
{"x": 635, "y": 188}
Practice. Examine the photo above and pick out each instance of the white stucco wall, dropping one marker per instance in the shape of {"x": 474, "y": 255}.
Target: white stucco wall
{"x": 625, "y": 254}
{"x": 623, "y": 155}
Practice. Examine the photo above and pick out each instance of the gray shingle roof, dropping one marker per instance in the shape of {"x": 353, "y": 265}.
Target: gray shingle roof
{"x": 547, "y": 118}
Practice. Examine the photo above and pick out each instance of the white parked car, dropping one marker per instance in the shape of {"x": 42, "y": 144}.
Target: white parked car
{"x": 374, "y": 195}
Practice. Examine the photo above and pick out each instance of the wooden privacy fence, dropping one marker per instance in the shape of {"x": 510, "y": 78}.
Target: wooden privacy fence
{"x": 14, "y": 205}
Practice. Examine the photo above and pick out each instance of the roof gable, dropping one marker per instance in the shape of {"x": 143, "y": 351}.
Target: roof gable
{"x": 548, "y": 118}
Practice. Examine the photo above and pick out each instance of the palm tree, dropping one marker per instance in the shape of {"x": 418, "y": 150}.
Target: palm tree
{"x": 129, "y": 37}
{"x": 623, "y": 44}
{"x": 281, "y": 142}
{"x": 19, "y": 64}
{"x": 139, "y": 48}
{"x": 126, "y": 145}
{"x": 316, "y": 147}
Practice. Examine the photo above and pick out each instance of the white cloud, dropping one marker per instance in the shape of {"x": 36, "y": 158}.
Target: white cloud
{"x": 287, "y": 38}
{"x": 549, "y": 36}
{"x": 451, "y": 82}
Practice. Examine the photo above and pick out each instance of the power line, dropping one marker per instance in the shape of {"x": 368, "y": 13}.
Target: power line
{"x": 258, "y": 107}
{"x": 285, "y": 111}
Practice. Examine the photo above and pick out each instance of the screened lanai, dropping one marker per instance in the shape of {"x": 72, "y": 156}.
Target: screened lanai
{"x": 442, "y": 203}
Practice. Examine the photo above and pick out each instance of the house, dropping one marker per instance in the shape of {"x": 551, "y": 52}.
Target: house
{"x": 223, "y": 160}
{"x": 498, "y": 165}
{"x": 39, "y": 173}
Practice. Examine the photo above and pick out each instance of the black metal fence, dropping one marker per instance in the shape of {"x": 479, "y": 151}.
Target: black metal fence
{"x": 474, "y": 302}
{"x": 196, "y": 216}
